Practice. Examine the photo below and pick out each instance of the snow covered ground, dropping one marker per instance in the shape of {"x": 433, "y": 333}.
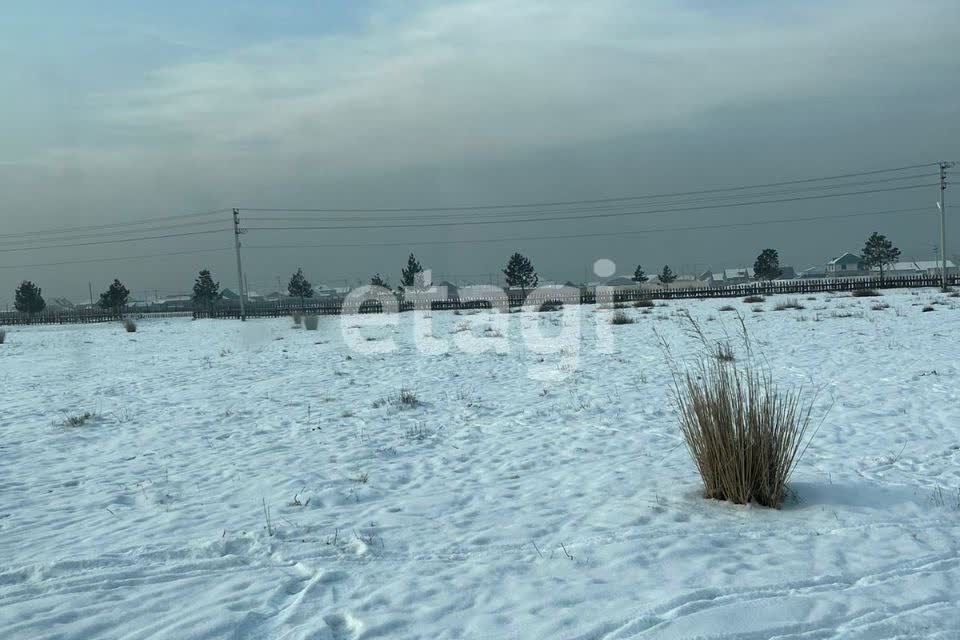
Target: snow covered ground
{"x": 541, "y": 491}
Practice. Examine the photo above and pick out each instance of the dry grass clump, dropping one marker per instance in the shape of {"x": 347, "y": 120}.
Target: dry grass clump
{"x": 3, "y": 336}
{"x": 619, "y": 317}
{"x": 726, "y": 307}
{"x": 792, "y": 303}
{"x": 864, "y": 293}
{"x": 129, "y": 325}
{"x": 926, "y": 309}
{"x": 879, "y": 306}
{"x": 724, "y": 352}
{"x": 551, "y": 305}
{"x": 297, "y": 318}
{"x": 311, "y": 322}
{"x": 78, "y": 420}
{"x": 644, "y": 303}
{"x": 744, "y": 434}
{"x": 754, "y": 299}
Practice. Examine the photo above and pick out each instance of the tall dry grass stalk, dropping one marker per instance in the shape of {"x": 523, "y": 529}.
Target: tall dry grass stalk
{"x": 3, "y": 336}
{"x": 744, "y": 433}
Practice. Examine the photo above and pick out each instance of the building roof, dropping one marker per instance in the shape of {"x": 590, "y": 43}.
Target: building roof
{"x": 916, "y": 265}
{"x": 846, "y": 258}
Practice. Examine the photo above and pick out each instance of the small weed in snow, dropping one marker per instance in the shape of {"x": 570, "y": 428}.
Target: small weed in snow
{"x": 78, "y": 420}
{"x": 792, "y": 303}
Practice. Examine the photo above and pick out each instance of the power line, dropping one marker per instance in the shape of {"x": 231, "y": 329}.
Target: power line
{"x": 588, "y": 235}
{"x": 592, "y": 201}
{"x": 606, "y": 207}
{"x": 90, "y": 244}
{"x": 131, "y": 223}
{"x": 583, "y": 217}
{"x": 609, "y": 207}
{"x": 113, "y": 259}
{"x": 119, "y": 232}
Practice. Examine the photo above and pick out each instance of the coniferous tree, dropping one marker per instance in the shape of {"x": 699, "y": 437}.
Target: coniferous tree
{"x": 300, "y": 287}
{"x": 639, "y": 276}
{"x": 27, "y": 299}
{"x": 767, "y": 265}
{"x": 379, "y": 281}
{"x": 879, "y": 252}
{"x": 520, "y": 273}
{"x": 206, "y": 292}
{"x": 666, "y": 276}
{"x": 114, "y": 298}
{"x": 412, "y": 274}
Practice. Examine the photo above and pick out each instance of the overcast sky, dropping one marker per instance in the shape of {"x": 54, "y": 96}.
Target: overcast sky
{"x": 123, "y": 111}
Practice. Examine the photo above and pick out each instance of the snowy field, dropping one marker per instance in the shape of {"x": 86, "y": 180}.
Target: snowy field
{"x": 536, "y": 488}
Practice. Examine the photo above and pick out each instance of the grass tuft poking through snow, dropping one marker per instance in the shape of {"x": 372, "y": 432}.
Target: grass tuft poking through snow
{"x": 792, "y": 303}
{"x": 754, "y": 299}
{"x": 78, "y": 420}
{"x": 129, "y": 325}
{"x": 311, "y": 322}
{"x": 619, "y": 317}
{"x": 297, "y": 318}
{"x": 744, "y": 434}
{"x": 864, "y": 293}
{"x": 3, "y": 336}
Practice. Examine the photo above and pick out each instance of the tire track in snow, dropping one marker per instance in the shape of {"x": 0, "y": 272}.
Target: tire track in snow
{"x": 657, "y": 620}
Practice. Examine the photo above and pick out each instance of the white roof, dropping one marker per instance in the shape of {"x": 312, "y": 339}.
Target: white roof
{"x": 845, "y": 256}
{"x": 917, "y": 265}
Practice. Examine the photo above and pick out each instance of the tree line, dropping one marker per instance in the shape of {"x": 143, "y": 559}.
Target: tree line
{"x": 519, "y": 273}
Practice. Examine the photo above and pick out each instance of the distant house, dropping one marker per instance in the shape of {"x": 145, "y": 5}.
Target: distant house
{"x": 726, "y": 277}
{"x": 846, "y": 265}
{"x": 917, "y": 268}
{"x": 621, "y": 281}
{"x": 813, "y": 272}
{"x": 787, "y": 273}
{"x": 444, "y": 291}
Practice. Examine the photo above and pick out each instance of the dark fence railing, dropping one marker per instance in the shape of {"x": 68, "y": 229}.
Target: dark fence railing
{"x": 566, "y": 295}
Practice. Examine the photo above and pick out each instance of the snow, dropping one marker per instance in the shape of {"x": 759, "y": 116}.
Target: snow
{"x": 537, "y": 489}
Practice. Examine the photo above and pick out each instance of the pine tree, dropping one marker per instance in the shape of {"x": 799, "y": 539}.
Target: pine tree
{"x": 639, "y": 276}
{"x": 114, "y": 298}
{"x": 379, "y": 281}
{"x": 27, "y": 299}
{"x": 767, "y": 265}
{"x": 411, "y": 275}
{"x": 879, "y": 252}
{"x": 520, "y": 273}
{"x": 206, "y": 292}
{"x": 300, "y": 287}
{"x": 666, "y": 276}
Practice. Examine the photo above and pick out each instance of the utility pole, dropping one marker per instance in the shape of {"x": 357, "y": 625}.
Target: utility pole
{"x": 90, "y": 287}
{"x": 236, "y": 242}
{"x": 943, "y": 224}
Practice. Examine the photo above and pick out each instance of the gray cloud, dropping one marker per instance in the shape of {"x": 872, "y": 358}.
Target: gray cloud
{"x": 492, "y": 100}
